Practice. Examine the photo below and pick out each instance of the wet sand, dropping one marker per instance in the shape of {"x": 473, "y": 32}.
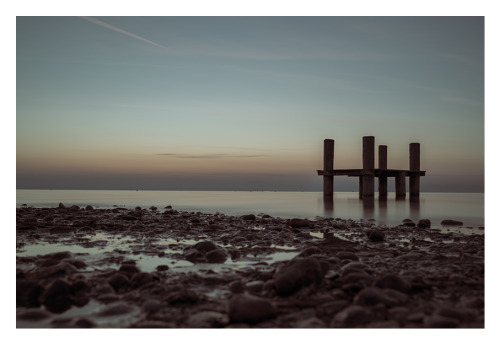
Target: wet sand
{"x": 119, "y": 268}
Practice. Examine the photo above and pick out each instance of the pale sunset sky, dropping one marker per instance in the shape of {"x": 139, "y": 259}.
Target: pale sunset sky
{"x": 244, "y": 103}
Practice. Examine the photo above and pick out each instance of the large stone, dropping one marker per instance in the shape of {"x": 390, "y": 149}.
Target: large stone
{"x": 424, "y": 223}
{"x": 57, "y": 297}
{"x": 297, "y": 274}
{"x": 297, "y": 223}
{"x": 375, "y": 235}
{"x": 119, "y": 282}
{"x": 205, "y": 246}
{"x": 216, "y": 256}
{"x": 250, "y": 309}
{"x": 28, "y": 293}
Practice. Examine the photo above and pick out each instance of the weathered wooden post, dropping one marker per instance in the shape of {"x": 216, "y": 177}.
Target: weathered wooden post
{"x": 400, "y": 184}
{"x": 414, "y": 168}
{"x": 368, "y": 183}
{"x": 382, "y": 165}
{"x": 328, "y": 168}
{"x": 360, "y": 187}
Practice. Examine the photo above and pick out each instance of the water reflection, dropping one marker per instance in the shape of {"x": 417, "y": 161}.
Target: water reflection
{"x": 378, "y": 210}
{"x": 415, "y": 208}
{"x": 368, "y": 207}
{"x": 328, "y": 206}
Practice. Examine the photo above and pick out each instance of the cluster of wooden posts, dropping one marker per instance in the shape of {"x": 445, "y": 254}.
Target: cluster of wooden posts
{"x": 368, "y": 173}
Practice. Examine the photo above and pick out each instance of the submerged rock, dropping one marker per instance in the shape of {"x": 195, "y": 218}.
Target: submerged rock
{"x": 451, "y": 223}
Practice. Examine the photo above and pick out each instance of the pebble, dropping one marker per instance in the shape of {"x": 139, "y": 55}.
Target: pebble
{"x": 151, "y": 306}
{"x": 375, "y": 235}
{"x": 141, "y": 278}
{"x": 394, "y": 282}
{"x": 250, "y": 309}
{"x": 115, "y": 309}
{"x": 236, "y": 287}
{"x": 310, "y": 323}
{"x": 347, "y": 255}
{"x": 254, "y": 286}
{"x": 370, "y": 296}
{"x": 119, "y": 282}
{"x": 352, "y": 316}
{"x": 437, "y": 321}
{"x": 33, "y": 315}
{"x": 298, "y": 223}
{"x": 207, "y": 319}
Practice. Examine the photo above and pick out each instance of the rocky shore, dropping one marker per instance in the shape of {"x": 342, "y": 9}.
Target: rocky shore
{"x": 162, "y": 268}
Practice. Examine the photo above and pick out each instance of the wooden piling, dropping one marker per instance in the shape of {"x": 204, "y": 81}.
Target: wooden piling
{"x": 360, "y": 189}
{"x": 400, "y": 185}
{"x": 414, "y": 166}
{"x": 368, "y": 166}
{"x": 328, "y": 166}
{"x": 382, "y": 165}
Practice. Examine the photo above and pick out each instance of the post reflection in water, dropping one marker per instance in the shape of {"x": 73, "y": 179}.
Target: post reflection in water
{"x": 368, "y": 207}
{"x": 382, "y": 210}
{"x": 328, "y": 205}
{"x": 415, "y": 208}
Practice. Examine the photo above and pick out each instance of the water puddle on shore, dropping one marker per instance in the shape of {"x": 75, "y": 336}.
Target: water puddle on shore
{"x": 103, "y": 250}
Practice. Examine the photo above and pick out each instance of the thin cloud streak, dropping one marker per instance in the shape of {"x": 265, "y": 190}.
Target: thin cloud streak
{"x": 114, "y": 28}
{"x": 212, "y": 156}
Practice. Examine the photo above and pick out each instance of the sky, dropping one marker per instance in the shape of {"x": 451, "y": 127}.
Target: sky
{"x": 244, "y": 103}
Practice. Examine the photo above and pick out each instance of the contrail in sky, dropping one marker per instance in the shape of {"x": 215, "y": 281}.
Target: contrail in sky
{"x": 114, "y": 28}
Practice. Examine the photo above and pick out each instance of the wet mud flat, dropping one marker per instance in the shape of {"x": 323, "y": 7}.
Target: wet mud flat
{"x": 162, "y": 268}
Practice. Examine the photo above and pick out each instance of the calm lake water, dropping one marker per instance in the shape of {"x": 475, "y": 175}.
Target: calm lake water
{"x": 465, "y": 207}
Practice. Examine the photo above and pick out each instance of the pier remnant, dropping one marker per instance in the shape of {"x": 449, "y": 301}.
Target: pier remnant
{"x": 368, "y": 166}
{"x": 368, "y": 173}
{"x": 328, "y": 166}
{"x": 382, "y": 165}
{"x": 414, "y": 169}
